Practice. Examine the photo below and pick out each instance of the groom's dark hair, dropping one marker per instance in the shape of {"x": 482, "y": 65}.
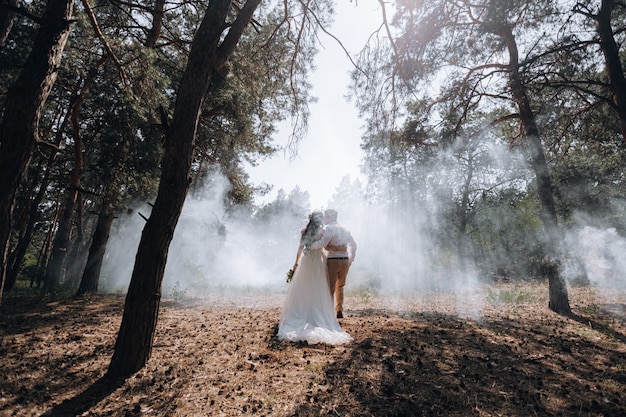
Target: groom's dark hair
{"x": 331, "y": 214}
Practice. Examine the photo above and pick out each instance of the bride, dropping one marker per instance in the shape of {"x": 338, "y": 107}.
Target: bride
{"x": 308, "y": 313}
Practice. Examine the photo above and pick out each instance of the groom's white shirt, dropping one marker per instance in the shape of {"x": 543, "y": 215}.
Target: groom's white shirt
{"x": 335, "y": 235}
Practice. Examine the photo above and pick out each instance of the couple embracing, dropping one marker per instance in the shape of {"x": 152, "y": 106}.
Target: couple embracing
{"x": 324, "y": 256}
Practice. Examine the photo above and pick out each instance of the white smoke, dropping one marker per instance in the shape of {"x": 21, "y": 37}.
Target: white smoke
{"x": 397, "y": 259}
{"x": 211, "y": 250}
{"x": 601, "y": 255}
{"x": 216, "y": 250}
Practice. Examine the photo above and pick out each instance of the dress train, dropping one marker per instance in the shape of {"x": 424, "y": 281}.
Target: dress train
{"x": 308, "y": 313}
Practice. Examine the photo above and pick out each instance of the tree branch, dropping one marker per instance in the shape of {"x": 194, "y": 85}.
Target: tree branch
{"x": 96, "y": 28}
{"x": 321, "y": 26}
{"x": 21, "y": 11}
{"x": 231, "y": 39}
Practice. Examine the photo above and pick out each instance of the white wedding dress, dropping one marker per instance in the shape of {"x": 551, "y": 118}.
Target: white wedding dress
{"x": 308, "y": 313}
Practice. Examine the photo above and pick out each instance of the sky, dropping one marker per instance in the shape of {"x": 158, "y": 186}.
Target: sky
{"x": 331, "y": 148}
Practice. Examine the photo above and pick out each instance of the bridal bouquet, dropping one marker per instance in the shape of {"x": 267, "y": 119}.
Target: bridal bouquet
{"x": 289, "y": 275}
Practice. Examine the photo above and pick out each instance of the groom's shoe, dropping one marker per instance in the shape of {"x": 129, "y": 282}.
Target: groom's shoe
{"x": 339, "y": 315}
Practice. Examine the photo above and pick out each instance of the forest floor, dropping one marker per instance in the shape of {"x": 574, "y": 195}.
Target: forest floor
{"x": 496, "y": 352}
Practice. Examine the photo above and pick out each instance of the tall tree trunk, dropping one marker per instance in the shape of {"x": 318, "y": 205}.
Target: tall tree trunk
{"x": 559, "y": 301}
{"x": 34, "y": 211}
{"x": 91, "y": 275}
{"x": 154, "y": 33}
{"x": 22, "y": 245}
{"x": 24, "y": 104}
{"x": 208, "y": 56}
{"x": 76, "y": 257}
{"x": 612, "y": 61}
{"x": 464, "y": 211}
{"x": 54, "y": 274}
{"x": 55, "y": 271}
{"x": 44, "y": 253}
{"x": 21, "y": 223}
{"x": 95, "y": 258}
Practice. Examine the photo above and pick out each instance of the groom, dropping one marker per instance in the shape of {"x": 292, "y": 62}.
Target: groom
{"x": 341, "y": 248}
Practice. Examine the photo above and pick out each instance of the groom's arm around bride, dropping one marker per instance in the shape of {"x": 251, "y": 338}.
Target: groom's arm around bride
{"x": 341, "y": 248}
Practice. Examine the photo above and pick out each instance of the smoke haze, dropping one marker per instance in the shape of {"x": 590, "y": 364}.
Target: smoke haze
{"x": 210, "y": 250}
{"x": 400, "y": 250}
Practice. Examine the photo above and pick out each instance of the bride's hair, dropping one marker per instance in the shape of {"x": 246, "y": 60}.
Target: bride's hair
{"x": 309, "y": 234}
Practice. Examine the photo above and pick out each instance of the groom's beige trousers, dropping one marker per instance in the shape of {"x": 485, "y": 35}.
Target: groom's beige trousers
{"x": 337, "y": 273}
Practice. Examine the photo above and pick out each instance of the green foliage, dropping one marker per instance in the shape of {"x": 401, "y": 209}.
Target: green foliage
{"x": 115, "y": 93}
{"x": 177, "y": 292}
{"x": 515, "y": 296}
{"x": 29, "y": 269}
{"x": 266, "y": 83}
{"x": 589, "y": 169}
{"x": 507, "y": 233}
{"x": 438, "y": 91}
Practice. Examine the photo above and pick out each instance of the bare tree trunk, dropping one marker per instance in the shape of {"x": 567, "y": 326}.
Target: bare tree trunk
{"x": 24, "y": 104}
{"x": 76, "y": 256}
{"x": 22, "y": 245}
{"x": 22, "y": 222}
{"x": 55, "y": 271}
{"x": 91, "y": 275}
{"x": 95, "y": 258}
{"x": 44, "y": 253}
{"x": 613, "y": 62}
{"x": 559, "y": 301}
{"x": 155, "y": 31}
{"x": 34, "y": 214}
{"x": 464, "y": 211}
{"x": 209, "y": 51}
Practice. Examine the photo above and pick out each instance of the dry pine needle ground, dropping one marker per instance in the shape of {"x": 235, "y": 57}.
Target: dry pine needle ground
{"x": 499, "y": 352}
